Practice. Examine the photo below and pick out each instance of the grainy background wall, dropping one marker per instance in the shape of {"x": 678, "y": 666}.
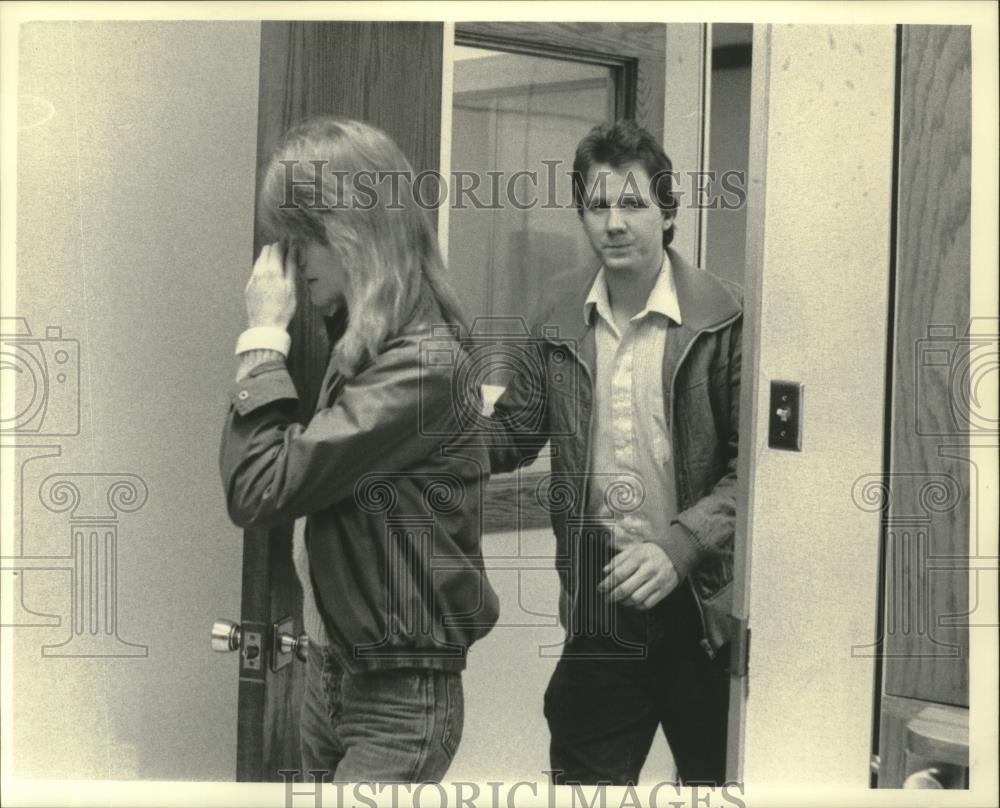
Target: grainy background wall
{"x": 135, "y": 211}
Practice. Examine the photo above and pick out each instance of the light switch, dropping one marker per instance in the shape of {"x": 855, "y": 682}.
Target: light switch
{"x": 785, "y": 418}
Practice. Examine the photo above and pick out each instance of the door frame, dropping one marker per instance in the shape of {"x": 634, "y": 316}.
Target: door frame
{"x": 791, "y": 505}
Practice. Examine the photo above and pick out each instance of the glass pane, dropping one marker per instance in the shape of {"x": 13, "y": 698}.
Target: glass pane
{"x": 512, "y": 113}
{"x": 725, "y": 227}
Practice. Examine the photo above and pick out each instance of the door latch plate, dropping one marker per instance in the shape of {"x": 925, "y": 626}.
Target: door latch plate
{"x": 251, "y": 651}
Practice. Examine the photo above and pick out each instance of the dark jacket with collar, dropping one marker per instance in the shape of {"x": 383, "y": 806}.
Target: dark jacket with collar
{"x": 391, "y": 485}
{"x": 551, "y": 398}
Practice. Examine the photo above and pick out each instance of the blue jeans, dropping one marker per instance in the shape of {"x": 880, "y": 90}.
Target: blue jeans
{"x": 392, "y": 726}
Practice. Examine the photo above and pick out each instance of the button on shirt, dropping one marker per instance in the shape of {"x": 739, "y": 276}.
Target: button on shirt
{"x": 632, "y": 481}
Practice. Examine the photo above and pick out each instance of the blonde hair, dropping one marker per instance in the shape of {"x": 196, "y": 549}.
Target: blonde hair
{"x": 384, "y": 241}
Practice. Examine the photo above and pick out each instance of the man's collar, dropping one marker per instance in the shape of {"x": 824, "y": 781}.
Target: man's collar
{"x": 706, "y": 300}
{"x": 662, "y": 297}
{"x": 597, "y": 298}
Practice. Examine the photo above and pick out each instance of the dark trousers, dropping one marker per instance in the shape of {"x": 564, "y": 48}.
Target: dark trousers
{"x": 623, "y": 673}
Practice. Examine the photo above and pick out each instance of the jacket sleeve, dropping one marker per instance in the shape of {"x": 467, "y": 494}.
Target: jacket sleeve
{"x": 275, "y": 470}
{"x": 709, "y": 525}
{"x": 518, "y": 426}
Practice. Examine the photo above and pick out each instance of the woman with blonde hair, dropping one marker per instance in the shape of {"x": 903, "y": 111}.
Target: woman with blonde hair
{"x": 387, "y": 477}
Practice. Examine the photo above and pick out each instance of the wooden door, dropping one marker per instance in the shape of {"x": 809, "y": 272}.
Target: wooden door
{"x": 924, "y": 641}
{"x": 389, "y": 75}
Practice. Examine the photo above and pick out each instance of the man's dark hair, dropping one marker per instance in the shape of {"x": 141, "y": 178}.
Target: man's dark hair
{"x": 617, "y": 145}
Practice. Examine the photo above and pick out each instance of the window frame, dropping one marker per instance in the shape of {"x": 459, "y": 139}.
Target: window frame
{"x": 635, "y": 54}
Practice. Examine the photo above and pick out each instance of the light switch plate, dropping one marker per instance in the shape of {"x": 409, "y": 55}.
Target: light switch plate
{"x": 785, "y": 417}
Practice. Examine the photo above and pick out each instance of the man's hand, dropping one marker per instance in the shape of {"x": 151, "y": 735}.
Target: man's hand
{"x": 640, "y": 575}
{"x": 270, "y": 292}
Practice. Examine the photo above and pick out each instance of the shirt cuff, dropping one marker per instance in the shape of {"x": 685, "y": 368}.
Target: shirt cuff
{"x": 267, "y": 382}
{"x": 268, "y": 338}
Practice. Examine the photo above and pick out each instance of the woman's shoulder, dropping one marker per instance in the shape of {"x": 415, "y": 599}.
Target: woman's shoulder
{"x": 436, "y": 347}
{"x": 426, "y": 352}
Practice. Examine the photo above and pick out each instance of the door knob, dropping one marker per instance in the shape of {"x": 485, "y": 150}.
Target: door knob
{"x": 925, "y": 778}
{"x": 226, "y": 635}
{"x": 294, "y": 645}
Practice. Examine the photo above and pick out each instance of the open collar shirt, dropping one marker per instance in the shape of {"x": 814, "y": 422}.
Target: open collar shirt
{"x": 632, "y": 482}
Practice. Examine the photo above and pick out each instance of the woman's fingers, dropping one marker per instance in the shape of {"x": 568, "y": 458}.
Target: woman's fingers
{"x": 270, "y": 292}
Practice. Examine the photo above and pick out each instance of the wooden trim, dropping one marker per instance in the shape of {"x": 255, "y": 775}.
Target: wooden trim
{"x": 623, "y": 68}
{"x": 552, "y": 50}
{"x": 634, "y": 50}
{"x": 516, "y": 89}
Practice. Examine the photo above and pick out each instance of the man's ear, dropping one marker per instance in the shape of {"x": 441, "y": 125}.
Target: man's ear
{"x": 668, "y": 220}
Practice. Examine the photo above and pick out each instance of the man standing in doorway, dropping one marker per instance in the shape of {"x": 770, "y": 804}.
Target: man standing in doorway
{"x": 634, "y": 376}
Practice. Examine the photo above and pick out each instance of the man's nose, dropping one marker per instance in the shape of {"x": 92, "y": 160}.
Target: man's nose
{"x": 616, "y": 222}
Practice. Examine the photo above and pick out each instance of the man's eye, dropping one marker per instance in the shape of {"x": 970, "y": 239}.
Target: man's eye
{"x": 599, "y": 205}
{"x": 631, "y": 203}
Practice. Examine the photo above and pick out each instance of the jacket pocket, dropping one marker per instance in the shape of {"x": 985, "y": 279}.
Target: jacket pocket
{"x": 454, "y": 713}
{"x": 720, "y": 624}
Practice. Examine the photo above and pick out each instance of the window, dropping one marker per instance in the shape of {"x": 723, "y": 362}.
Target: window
{"x": 516, "y": 120}
{"x": 524, "y": 94}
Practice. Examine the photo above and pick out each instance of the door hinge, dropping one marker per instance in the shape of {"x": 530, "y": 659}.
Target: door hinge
{"x": 741, "y": 649}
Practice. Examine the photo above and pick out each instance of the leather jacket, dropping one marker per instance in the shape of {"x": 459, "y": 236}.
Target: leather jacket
{"x": 551, "y": 398}
{"x": 391, "y": 484}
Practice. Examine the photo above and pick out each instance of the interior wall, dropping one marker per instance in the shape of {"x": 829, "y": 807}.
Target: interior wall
{"x": 136, "y": 146}
{"x": 818, "y": 269}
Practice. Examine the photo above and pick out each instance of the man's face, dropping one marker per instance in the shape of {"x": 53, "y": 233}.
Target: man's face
{"x": 325, "y": 279}
{"x": 622, "y": 220}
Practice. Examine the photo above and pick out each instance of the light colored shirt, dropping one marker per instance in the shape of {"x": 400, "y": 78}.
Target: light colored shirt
{"x": 631, "y": 445}
{"x": 312, "y": 621}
